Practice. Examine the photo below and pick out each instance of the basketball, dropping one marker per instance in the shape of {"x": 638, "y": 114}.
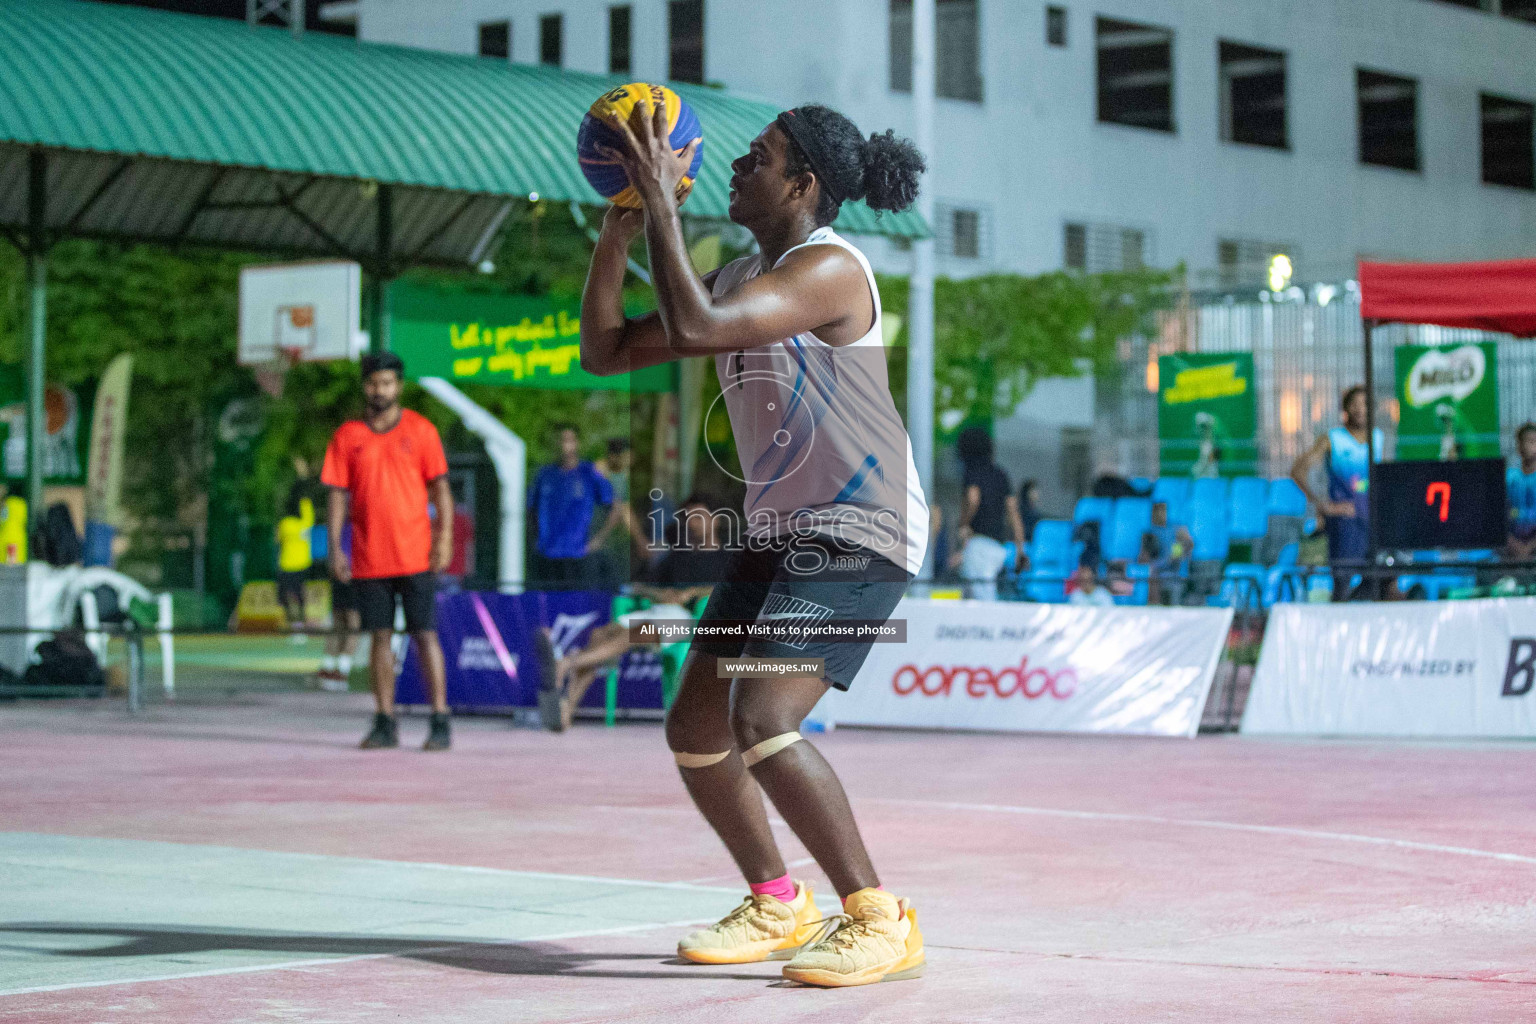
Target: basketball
{"x": 599, "y": 127}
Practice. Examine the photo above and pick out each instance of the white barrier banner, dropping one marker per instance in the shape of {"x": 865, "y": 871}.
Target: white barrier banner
{"x": 1440, "y": 668}
{"x": 1038, "y": 668}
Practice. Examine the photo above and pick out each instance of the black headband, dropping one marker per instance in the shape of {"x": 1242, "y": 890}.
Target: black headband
{"x": 810, "y": 145}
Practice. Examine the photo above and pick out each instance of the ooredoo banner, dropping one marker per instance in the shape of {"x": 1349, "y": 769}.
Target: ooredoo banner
{"x": 1435, "y": 668}
{"x": 1038, "y": 668}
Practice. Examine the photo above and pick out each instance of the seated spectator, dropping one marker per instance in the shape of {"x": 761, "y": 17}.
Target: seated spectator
{"x": 1521, "y": 484}
{"x": 1084, "y": 589}
{"x": 687, "y": 572}
{"x": 1165, "y": 549}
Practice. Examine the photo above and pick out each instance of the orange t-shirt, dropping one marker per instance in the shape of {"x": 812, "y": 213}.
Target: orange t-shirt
{"x": 387, "y": 475}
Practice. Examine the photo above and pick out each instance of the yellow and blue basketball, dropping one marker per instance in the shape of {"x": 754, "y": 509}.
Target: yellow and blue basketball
{"x": 600, "y": 128}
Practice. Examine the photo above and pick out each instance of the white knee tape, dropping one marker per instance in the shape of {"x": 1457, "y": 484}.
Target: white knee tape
{"x": 768, "y": 747}
{"x": 699, "y": 760}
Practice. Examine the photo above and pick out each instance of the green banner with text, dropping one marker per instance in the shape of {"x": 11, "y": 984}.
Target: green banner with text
{"x": 508, "y": 340}
{"x": 1206, "y": 414}
{"x": 1447, "y": 401}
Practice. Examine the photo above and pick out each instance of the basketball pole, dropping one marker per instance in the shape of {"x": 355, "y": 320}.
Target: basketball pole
{"x": 37, "y": 322}
{"x": 381, "y": 272}
{"x": 920, "y": 285}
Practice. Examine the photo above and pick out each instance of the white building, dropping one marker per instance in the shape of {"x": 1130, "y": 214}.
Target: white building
{"x": 1103, "y": 134}
{"x": 1040, "y": 165}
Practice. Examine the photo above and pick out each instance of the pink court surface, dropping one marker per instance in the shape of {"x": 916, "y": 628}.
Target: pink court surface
{"x": 238, "y": 860}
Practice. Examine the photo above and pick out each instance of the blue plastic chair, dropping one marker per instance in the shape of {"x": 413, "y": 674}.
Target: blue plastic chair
{"x": 1209, "y": 491}
{"x": 1209, "y": 529}
{"x": 1173, "y": 491}
{"x": 1242, "y": 587}
{"x": 1141, "y": 485}
{"x": 1285, "y": 498}
{"x": 1249, "y": 508}
{"x": 1053, "y": 556}
{"x": 1284, "y": 584}
{"x": 1098, "y": 510}
{"x": 1132, "y": 519}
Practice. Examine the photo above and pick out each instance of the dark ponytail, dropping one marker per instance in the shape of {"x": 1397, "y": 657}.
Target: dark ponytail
{"x": 881, "y": 170}
{"x": 891, "y": 167}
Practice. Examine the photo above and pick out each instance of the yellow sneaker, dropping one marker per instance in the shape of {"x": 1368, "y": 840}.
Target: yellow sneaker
{"x": 876, "y": 939}
{"x": 762, "y": 928}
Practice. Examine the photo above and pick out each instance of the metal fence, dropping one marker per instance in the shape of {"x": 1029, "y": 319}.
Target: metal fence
{"x": 1305, "y": 353}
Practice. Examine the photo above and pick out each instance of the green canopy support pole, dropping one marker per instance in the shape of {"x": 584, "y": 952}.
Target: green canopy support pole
{"x": 37, "y": 323}
{"x": 383, "y": 272}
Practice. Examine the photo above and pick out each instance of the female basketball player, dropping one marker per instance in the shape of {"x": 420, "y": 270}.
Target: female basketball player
{"x": 836, "y": 520}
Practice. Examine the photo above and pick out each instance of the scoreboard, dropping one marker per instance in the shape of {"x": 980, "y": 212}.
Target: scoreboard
{"x": 1460, "y": 504}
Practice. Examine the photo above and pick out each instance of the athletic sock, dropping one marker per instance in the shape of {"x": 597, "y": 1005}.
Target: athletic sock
{"x": 344, "y": 664}
{"x": 328, "y": 663}
{"x": 781, "y": 888}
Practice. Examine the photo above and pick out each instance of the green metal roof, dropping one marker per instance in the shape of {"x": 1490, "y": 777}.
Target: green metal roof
{"x": 167, "y": 127}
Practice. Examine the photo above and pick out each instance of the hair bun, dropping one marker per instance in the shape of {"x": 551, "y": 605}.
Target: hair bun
{"x": 891, "y": 169}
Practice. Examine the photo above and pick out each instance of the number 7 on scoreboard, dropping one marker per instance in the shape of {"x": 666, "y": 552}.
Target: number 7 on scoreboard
{"x": 1439, "y": 491}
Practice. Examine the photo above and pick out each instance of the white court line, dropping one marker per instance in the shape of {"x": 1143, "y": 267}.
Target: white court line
{"x": 474, "y": 869}
{"x": 1229, "y": 826}
{"x": 290, "y": 965}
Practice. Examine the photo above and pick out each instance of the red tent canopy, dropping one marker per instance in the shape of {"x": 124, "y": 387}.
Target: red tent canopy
{"x": 1493, "y": 296}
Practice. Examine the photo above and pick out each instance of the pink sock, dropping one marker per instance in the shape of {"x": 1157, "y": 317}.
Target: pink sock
{"x": 781, "y": 888}
{"x": 850, "y": 895}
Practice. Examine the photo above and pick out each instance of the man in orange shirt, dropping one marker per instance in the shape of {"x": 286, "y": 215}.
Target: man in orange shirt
{"x": 389, "y": 464}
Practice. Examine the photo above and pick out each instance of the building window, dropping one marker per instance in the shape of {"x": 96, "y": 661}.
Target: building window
{"x": 496, "y": 39}
{"x": 1525, "y": 10}
{"x": 1389, "y": 120}
{"x": 901, "y": 45}
{"x": 957, "y": 49}
{"x": 1055, "y": 26}
{"x": 618, "y": 39}
{"x": 1252, "y": 95}
{"x": 965, "y": 234}
{"x": 961, "y": 232}
{"x": 1135, "y": 74}
{"x": 551, "y": 31}
{"x": 1104, "y": 248}
{"x": 1244, "y": 262}
{"x": 685, "y": 40}
{"x": 1509, "y": 135}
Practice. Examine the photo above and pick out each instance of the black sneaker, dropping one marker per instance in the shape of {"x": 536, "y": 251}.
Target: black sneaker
{"x": 437, "y": 738}
{"x": 383, "y": 734}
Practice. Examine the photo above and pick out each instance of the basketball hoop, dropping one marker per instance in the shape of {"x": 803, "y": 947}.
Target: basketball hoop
{"x": 272, "y": 374}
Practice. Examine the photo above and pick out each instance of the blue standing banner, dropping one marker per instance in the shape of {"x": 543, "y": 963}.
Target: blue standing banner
{"x": 490, "y": 657}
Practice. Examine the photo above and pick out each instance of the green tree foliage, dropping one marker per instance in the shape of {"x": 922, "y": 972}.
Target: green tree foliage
{"x": 998, "y": 335}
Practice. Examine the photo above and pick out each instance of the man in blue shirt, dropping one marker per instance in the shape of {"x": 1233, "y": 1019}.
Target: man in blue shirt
{"x": 564, "y": 499}
{"x": 1521, "y": 484}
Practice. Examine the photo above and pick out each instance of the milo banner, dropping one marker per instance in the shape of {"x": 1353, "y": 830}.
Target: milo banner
{"x": 1448, "y": 401}
{"x": 1206, "y": 419}
{"x": 1021, "y": 667}
{"x": 509, "y": 340}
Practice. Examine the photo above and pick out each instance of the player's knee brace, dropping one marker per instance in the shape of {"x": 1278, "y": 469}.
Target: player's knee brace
{"x": 772, "y": 745}
{"x": 699, "y": 760}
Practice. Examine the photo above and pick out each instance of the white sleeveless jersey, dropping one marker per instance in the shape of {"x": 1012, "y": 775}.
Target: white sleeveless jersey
{"x": 822, "y": 448}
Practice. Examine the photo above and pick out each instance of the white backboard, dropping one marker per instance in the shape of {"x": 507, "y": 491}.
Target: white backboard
{"x": 309, "y": 308}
